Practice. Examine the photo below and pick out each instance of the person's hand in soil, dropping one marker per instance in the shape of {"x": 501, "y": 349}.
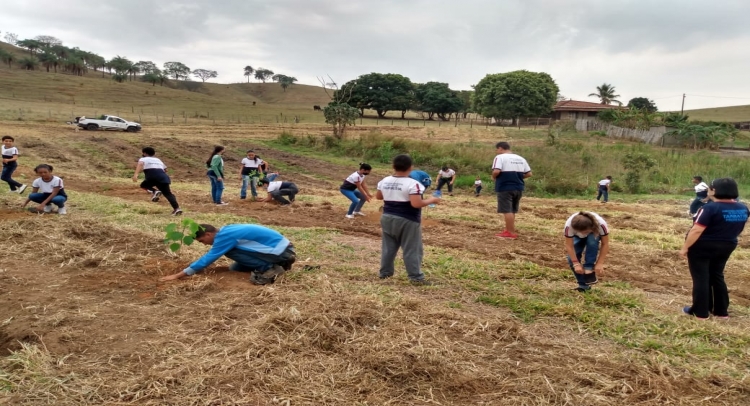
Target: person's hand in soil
{"x": 173, "y": 277}
{"x": 40, "y": 208}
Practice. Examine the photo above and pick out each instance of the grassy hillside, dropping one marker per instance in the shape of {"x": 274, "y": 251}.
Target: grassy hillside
{"x": 731, "y": 114}
{"x": 58, "y": 95}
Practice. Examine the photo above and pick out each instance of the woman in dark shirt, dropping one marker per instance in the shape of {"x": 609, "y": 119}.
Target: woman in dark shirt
{"x": 708, "y": 245}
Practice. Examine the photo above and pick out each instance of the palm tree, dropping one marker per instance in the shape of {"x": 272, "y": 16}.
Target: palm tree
{"x": 248, "y": 72}
{"x": 29, "y": 63}
{"x": 49, "y": 59}
{"x": 7, "y": 57}
{"x": 606, "y": 94}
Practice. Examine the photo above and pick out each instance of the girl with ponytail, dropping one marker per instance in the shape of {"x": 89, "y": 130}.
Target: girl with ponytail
{"x": 354, "y": 189}
{"x": 586, "y": 231}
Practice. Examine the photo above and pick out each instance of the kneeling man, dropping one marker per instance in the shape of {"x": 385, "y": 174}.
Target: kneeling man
{"x": 256, "y": 249}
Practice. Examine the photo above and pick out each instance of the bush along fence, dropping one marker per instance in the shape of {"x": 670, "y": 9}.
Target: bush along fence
{"x": 653, "y": 135}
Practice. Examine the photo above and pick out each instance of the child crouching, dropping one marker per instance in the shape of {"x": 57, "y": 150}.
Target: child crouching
{"x": 47, "y": 190}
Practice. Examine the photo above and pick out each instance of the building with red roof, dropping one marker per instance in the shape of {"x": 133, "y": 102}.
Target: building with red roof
{"x": 574, "y": 109}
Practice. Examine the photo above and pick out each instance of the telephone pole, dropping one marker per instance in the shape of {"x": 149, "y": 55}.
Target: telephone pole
{"x": 682, "y": 110}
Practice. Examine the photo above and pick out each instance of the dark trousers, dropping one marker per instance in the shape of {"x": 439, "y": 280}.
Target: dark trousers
{"x": 706, "y": 260}
{"x": 249, "y": 261}
{"x": 477, "y": 190}
{"x": 165, "y": 190}
{"x": 278, "y": 195}
{"x": 445, "y": 181}
{"x": 603, "y": 192}
{"x": 8, "y": 170}
{"x": 696, "y": 205}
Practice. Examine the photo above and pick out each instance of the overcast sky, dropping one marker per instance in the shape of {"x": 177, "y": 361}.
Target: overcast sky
{"x": 651, "y": 48}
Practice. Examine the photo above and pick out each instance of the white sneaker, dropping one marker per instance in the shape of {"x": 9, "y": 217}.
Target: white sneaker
{"x": 155, "y": 196}
{"x": 22, "y": 189}
{"x": 359, "y": 213}
{"x": 62, "y": 210}
{"x": 48, "y": 208}
{"x": 222, "y": 204}
{"x": 350, "y": 216}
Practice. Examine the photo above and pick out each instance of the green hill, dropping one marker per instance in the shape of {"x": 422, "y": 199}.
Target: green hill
{"x": 55, "y": 95}
{"x": 731, "y": 114}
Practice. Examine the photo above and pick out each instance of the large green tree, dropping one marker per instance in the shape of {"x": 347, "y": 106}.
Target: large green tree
{"x": 437, "y": 98}
{"x": 49, "y": 60}
{"x": 606, "y": 94}
{"x": 643, "y": 103}
{"x": 263, "y": 74}
{"x": 515, "y": 94}
{"x": 176, "y": 70}
{"x": 31, "y": 44}
{"x": 248, "y": 72}
{"x": 204, "y": 74}
{"x": 284, "y": 80}
{"x": 381, "y": 92}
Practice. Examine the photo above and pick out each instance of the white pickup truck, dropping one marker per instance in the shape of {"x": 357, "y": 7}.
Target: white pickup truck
{"x": 107, "y": 123}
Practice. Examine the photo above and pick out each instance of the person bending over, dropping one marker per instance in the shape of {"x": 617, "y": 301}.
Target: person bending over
{"x": 278, "y": 189}
{"x": 586, "y": 231}
{"x": 262, "y": 251}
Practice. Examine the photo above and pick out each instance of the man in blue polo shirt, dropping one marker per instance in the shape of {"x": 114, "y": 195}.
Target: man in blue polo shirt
{"x": 509, "y": 171}
{"x": 257, "y": 249}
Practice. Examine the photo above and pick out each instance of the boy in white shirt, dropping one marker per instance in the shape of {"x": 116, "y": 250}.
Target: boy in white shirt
{"x": 477, "y": 186}
{"x": 10, "y": 163}
{"x": 401, "y": 220}
{"x": 604, "y": 188}
{"x": 446, "y": 176}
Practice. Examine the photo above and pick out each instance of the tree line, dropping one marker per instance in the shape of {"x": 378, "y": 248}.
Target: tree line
{"x": 49, "y": 53}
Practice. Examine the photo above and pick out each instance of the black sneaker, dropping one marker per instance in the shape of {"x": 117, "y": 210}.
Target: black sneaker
{"x": 385, "y": 276}
{"x": 590, "y": 278}
{"x": 582, "y": 288}
{"x": 257, "y": 279}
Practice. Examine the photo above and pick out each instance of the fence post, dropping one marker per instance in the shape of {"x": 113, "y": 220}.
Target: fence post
{"x": 408, "y": 123}
{"x": 471, "y": 123}
{"x": 391, "y": 122}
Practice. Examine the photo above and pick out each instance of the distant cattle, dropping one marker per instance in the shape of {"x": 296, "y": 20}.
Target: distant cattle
{"x": 316, "y": 107}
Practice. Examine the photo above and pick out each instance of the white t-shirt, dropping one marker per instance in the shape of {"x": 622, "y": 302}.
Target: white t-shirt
{"x": 397, "y": 192}
{"x": 355, "y": 178}
{"x": 701, "y": 187}
{"x": 47, "y": 187}
{"x": 252, "y": 163}
{"x": 274, "y": 186}
{"x": 477, "y": 183}
{"x": 150, "y": 162}
{"x": 603, "y": 229}
{"x": 604, "y": 182}
{"x": 9, "y": 152}
{"x": 446, "y": 174}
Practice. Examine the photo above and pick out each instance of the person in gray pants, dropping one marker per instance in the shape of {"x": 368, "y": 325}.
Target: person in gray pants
{"x": 401, "y": 220}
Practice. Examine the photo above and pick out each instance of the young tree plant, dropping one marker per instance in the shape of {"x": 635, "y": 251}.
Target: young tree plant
{"x": 178, "y": 235}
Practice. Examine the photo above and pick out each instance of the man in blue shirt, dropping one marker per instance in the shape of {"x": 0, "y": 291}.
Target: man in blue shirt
{"x": 509, "y": 171}
{"x": 257, "y": 249}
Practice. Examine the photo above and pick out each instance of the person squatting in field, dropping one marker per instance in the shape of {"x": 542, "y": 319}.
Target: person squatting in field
{"x": 509, "y": 171}
{"x": 446, "y": 176}
{"x": 10, "y": 163}
{"x": 250, "y": 171}
{"x": 278, "y": 189}
{"x": 263, "y": 252}
{"x": 156, "y": 181}
{"x": 586, "y": 231}
{"x": 355, "y": 189}
{"x": 604, "y": 188}
{"x": 215, "y": 173}
{"x": 401, "y": 220}
{"x": 477, "y": 186}
{"x": 47, "y": 190}
{"x": 708, "y": 245}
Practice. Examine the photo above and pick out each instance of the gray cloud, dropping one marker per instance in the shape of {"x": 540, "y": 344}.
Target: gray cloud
{"x": 645, "y": 48}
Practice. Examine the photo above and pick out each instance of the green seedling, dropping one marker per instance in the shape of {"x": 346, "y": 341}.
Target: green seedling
{"x": 180, "y": 234}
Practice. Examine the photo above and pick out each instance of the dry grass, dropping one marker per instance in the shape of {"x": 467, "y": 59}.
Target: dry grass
{"x": 87, "y": 322}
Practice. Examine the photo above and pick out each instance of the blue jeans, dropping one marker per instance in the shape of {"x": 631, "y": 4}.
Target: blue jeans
{"x": 58, "y": 200}
{"x": 253, "y": 181}
{"x": 357, "y": 201}
{"x": 217, "y": 188}
{"x": 603, "y": 192}
{"x": 591, "y": 245}
{"x": 247, "y": 261}
{"x": 8, "y": 170}
{"x": 696, "y": 205}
